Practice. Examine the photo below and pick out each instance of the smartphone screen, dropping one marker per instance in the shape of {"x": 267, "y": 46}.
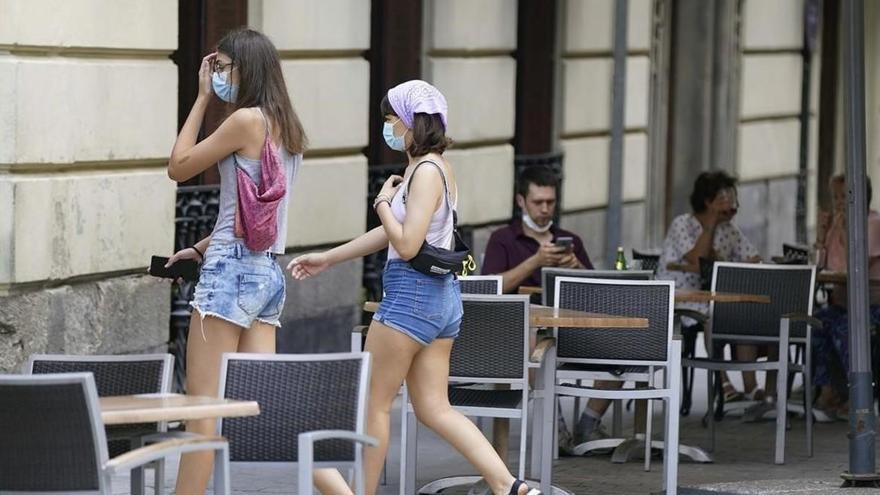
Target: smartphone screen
{"x": 564, "y": 242}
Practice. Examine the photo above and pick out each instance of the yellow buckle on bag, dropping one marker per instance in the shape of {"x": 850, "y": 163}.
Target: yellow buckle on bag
{"x": 468, "y": 266}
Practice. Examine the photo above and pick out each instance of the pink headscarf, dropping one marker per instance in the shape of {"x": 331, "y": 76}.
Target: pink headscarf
{"x": 416, "y": 96}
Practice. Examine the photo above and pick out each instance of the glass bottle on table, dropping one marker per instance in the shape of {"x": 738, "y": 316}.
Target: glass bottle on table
{"x": 620, "y": 262}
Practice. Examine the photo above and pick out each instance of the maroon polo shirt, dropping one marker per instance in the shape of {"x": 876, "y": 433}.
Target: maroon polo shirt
{"x": 509, "y": 247}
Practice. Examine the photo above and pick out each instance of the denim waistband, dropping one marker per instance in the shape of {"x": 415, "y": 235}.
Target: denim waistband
{"x": 238, "y": 250}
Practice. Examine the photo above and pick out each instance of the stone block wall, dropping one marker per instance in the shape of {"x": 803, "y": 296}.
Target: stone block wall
{"x": 88, "y": 120}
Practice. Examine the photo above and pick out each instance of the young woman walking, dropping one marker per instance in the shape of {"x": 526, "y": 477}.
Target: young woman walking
{"x": 240, "y": 293}
{"x": 412, "y": 332}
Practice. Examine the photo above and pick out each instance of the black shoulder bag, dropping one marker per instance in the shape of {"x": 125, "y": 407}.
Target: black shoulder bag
{"x": 435, "y": 261}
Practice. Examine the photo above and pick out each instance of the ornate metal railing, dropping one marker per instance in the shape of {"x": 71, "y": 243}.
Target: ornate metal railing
{"x": 552, "y": 160}
{"x": 195, "y": 214}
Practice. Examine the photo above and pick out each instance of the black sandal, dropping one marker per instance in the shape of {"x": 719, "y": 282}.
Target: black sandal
{"x": 514, "y": 489}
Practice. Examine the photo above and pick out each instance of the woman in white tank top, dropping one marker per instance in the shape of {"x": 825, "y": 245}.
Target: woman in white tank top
{"x": 412, "y": 332}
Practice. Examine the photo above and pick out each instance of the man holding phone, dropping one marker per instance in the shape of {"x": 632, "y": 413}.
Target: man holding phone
{"x": 520, "y": 249}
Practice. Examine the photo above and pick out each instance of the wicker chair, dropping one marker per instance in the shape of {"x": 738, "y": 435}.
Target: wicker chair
{"x": 492, "y": 348}
{"x": 481, "y": 284}
{"x": 312, "y": 411}
{"x": 549, "y": 274}
{"x": 634, "y": 354}
{"x": 54, "y": 440}
{"x": 649, "y": 261}
{"x": 794, "y": 254}
{"x": 784, "y": 321}
{"x": 548, "y": 283}
{"x": 128, "y": 374}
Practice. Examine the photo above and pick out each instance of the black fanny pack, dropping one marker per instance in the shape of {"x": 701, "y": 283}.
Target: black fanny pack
{"x": 435, "y": 261}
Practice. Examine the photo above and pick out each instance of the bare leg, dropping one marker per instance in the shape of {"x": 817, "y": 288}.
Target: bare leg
{"x": 427, "y": 380}
{"x": 392, "y": 354}
{"x": 748, "y": 353}
{"x": 203, "y": 378}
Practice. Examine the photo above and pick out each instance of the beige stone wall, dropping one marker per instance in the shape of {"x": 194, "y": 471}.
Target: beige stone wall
{"x": 322, "y": 47}
{"x": 88, "y": 119}
{"x": 587, "y": 69}
{"x": 468, "y": 56}
{"x": 770, "y": 82}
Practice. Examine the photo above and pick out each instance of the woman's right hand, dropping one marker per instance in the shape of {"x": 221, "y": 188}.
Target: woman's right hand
{"x": 308, "y": 265}
{"x": 205, "y": 73}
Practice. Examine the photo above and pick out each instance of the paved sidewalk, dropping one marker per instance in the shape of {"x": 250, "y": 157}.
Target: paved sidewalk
{"x": 743, "y": 464}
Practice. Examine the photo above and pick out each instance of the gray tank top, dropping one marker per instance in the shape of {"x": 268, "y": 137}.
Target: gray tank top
{"x": 224, "y": 229}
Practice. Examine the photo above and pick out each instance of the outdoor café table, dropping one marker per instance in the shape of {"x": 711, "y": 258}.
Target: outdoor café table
{"x": 542, "y": 317}
{"x": 150, "y": 408}
{"x": 689, "y": 295}
{"x": 545, "y": 316}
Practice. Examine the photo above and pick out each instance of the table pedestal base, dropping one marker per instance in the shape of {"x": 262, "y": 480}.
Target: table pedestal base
{"x": 481, "y": 488}
{"x": 634, "y": 446}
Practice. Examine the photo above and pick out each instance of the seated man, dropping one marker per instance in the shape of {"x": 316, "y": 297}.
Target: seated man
{"x": 708, "y": 232}
{"x": 519, "y": 250}
{"x": 831, "y": 342}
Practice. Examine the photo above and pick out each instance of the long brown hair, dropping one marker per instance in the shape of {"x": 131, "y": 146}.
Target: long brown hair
{"x": 261, "y": 83}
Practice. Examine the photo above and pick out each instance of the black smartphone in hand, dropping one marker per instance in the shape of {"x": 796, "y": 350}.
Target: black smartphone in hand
{"x": 185, "y": 269}
{"x": 566, "y": 243}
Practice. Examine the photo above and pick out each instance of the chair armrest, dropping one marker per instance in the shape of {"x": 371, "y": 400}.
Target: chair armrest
{"x": 809, "y": 320}
{"x": 167, "y": 435}
{"x": 306, "y": 452}
{"x": 150, "y": 453}
{"x": 541, "y": 349}
{"x": 692, "y": 313}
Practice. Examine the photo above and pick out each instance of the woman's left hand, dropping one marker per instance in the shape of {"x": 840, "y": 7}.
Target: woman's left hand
{"x": 205, "y": 73}
{"x": 391, "y": 186}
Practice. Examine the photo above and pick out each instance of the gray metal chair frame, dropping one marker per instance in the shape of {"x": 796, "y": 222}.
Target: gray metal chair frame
{"x": 165, "y": 384}
{"x": 548, "y": 277}
{"x": 89, "y": 469}
{"x": 491, "y": 372}
{"x": 482, "y": 284}
{"x": 750, "y": 323}
{"x": 305, "y": 455}
{"x": 662, "y": 353}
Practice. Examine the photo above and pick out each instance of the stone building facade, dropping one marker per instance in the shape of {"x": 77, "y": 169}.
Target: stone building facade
{"x": 92, "y": 93}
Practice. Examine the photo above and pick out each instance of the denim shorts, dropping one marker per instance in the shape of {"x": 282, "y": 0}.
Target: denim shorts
{"x": 240, "y": 286}
{"x": 421, "y": 306}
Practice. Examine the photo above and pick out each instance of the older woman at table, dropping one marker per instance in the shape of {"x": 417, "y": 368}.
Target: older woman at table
{"x": 709, "y": 232}
{"x": 831, "y": 342}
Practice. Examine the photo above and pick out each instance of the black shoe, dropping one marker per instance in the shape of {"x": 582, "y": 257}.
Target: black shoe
{"x": 514, "y": 489}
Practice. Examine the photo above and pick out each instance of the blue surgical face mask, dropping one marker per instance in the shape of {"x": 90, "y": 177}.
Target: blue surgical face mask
{"x": 223, "y": 87}
{"x": 397, "y": 143}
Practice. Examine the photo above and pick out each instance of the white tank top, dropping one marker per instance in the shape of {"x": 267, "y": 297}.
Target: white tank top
{"x": 440, "y": 230}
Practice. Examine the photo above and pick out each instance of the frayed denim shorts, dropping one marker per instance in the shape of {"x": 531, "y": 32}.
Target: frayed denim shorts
{"x": 240, "y": 286}
{"x": 421, "y": 306}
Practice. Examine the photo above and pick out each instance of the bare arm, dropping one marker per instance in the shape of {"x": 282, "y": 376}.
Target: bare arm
{"x": 702, "y": 248}
{"x": 202, "y": 245}
{"x": 514, "y": 277}
{"x": 425, "y": 193}
{"x": 368, "y": 243}
{"x": 189, "y": 158}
